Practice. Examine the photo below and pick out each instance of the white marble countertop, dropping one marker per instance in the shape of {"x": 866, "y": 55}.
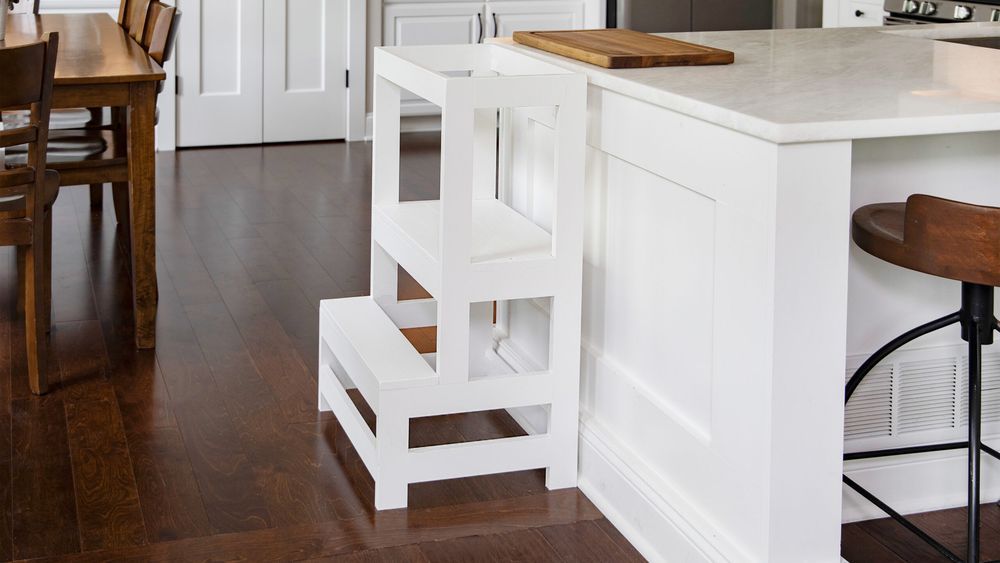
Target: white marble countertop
{"x": 790, "y": 86}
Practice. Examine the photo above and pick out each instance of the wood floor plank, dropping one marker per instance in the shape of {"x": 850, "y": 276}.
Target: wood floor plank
{"x": 858, "y": 546}
{"x": 403, "y": 554}
{"x": 44, "y": 501}
{"x": 232, "y": 496}
{"x": 107, "y": 497}
{"x": 171, "y": 501}
{"x": 523, "y": 545}
{"x": 901, "y": 541}
{"x": 950, "y": 528}
{"x": 586, "y": 542}
{"x": 617, "y": 537}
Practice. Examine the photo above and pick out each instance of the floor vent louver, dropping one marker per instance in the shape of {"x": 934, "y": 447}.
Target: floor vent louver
{"x": 918, "y": 396}
{"x": 869, "y": 414}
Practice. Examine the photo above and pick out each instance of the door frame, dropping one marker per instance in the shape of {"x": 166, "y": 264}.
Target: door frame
{"x": 357, "y": 61}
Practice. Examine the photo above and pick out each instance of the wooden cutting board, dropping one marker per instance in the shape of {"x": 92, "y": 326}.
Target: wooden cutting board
{"x": 623, "y": 48}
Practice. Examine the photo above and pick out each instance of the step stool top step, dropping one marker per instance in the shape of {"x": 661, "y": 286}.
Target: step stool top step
{"x": 380, "y": 345}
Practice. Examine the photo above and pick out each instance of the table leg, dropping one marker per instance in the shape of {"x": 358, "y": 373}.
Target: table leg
{"x": 142, "y": 205}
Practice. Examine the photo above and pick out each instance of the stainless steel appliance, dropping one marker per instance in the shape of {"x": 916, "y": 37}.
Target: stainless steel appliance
{"x": 903, "y": 12}
{"x": 690, "y": 15}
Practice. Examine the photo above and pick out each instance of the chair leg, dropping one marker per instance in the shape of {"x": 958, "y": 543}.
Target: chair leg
{"x": 119, "y": 193}
{"x": 34, "y": 328}
{"x": 46, "y": 291}
{"x": 96, "y": 196}
{"x": 22, "y": 251}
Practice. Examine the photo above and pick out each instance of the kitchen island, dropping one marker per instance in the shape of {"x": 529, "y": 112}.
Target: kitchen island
{"x": 724, "y": 303}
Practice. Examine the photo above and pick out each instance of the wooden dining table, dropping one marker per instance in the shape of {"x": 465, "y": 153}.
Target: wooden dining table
{"x": 99, "y": 65}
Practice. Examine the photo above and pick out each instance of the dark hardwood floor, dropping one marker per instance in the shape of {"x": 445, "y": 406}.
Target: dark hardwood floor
{"x": 885, "y": 541}
{"x": 210, "y": 447}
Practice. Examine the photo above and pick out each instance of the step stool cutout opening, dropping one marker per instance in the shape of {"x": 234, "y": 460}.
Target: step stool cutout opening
{"x": 465, "y": 428}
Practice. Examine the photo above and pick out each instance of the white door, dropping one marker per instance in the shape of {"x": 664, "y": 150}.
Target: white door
{"x": 443, "y": 23}
{"x": 220, "y": 45}
{"x": 504, "y": 18}
{"x": 305, "y": 60}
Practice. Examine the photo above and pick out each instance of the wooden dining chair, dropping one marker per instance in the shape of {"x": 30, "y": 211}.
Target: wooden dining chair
{"x": 27, "y": 191}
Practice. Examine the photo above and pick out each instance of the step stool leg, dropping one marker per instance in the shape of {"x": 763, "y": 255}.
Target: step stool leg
{"x": 384, "y": 277}
{"x": 325, "y": 358}
{"x": 564, "y": 416}
{"x": 392, "y": 438}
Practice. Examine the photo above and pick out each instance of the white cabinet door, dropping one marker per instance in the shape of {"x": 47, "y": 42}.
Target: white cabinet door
{"x": 860, "y": 13}
{"x": 504, "y": 18}
{"x": 438, "y": 23}
{"x": 305, "y": 59}
{"x": 219, "y": 60}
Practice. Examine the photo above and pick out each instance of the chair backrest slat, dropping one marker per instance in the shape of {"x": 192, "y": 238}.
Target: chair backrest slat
{"x": 19, "y": 136}
{"x": 15, "y": 180}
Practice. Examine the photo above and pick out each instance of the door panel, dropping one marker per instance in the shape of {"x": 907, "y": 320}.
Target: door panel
{"x": 305, "y": 58}
{"x": 219, "y": 57}
{"x": 504, "y": 18}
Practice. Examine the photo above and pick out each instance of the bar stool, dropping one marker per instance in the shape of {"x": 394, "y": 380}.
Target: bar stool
{"x": 953, "y": 240}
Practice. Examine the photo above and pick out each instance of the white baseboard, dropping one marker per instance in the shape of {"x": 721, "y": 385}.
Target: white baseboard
{"x": 409, "y": 124}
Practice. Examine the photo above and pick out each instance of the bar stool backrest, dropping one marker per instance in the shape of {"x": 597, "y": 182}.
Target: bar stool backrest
{"x": 953, "y": 239}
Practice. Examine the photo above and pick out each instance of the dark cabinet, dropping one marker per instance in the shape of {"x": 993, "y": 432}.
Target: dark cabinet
{"x": 654, "y": 16}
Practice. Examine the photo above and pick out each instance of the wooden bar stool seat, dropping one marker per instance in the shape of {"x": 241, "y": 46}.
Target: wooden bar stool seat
{"x": 940, "y": 237}
{"x": 953, "y": 240}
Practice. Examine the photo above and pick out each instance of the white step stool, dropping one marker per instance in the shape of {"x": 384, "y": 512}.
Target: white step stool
{"x": 467, "y": 250}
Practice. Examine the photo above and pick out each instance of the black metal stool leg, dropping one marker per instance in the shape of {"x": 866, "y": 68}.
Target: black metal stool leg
{"x": 975, "y": 440}
{"x": 978, "y": 323}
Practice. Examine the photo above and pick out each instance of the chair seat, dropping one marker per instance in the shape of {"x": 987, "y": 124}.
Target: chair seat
{"x": 943, "y": 238}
